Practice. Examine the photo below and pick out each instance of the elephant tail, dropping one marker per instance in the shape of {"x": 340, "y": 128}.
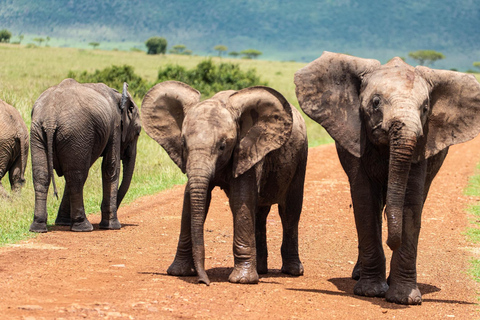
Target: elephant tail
{"x": 50, "y": 132}
{"x": 23, "y": 154}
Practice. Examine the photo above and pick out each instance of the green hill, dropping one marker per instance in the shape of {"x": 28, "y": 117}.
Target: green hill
{"x": 282, "y": 30}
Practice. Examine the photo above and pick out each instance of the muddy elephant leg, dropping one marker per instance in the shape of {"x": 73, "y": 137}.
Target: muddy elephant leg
{"x": 75, "y": 181}
{"x": 183, "y": 265}
{"x": 243, "y": 200}
{"x": 110, "y": 177}
{"x": 290, "y": 214}
{"x": 63, "y": 215}
{"x": 261, "y": 238}
{"x": 402, "y": 281}
{"x": 367, "y": 198}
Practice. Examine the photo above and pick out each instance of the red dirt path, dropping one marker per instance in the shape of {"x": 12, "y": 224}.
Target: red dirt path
{"x": 122, "y": 274}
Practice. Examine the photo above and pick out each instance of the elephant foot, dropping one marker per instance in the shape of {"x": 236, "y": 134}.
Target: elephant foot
{"x": 294, "y": 268}
{"x": 370, "y": 288}
{"x": 110, "y": 224}
{"x": 81, "y": 226}
{"x": 244, "y": 273}
{"x": 406, "y": 294}
{"x": 183, "y": 268}
{"x": 357, "y": 270}
{"x": 40, "y": 227}
{"x": 63, "y": 221}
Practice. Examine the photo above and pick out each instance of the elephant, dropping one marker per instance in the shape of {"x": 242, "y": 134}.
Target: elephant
{"x": 13, "y": 147}
{"x": 392, "y": 125}
{"x": 252, "y": 144}
{"x": 72, "y": 126}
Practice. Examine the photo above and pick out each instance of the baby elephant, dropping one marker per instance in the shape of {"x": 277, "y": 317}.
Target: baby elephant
{"x": 13, "y": 147}
{"x": 253, "y": 144}
{"x": 73, "y": 125}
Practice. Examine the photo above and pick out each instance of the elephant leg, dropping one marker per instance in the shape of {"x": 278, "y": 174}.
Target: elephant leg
{"x": 261, "y": 238}
{"x": 243, "y": 200}
{"x": 41, "y": 182}
{"x": 183, "y": 264}
{"x": 402, "y": 281}
{"x": 367, "y": 198}
{"x": 75, "y": 181}
{"x": 63, "y": 215}
{"x": 15, "y": 176}
{"x": 110, "y": 177}
{"x": 290, "y": 214}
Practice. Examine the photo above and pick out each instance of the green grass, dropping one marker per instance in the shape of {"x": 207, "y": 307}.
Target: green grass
{"x": 26, "y": 72}
{"x": 473, "y": 233}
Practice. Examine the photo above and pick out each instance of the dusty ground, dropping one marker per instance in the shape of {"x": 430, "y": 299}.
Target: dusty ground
{"x": 122, "y": 274}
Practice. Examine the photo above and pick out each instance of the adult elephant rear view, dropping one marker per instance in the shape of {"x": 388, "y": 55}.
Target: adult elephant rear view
{"x": 392, "y": 124}
{"x": 73, "y": 125}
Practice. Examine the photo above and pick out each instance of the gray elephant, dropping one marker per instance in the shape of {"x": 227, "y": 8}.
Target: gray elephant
{"x": 73, "y": 125}
{"x": 253, "y": 144}
{"x": 13, "y": 147}
{"x": 392, "y": 125}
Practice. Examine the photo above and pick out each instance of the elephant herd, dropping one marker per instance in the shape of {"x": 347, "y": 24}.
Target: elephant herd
{"x": 392, "y": 125}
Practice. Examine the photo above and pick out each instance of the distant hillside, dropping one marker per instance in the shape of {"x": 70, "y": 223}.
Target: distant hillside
{"x": 283, "y": 30}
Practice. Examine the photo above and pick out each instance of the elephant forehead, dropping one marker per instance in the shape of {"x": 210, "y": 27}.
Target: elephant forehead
{"x": 395, "y": 81}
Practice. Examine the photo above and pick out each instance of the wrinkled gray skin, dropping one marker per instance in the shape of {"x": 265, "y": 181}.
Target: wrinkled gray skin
{"x": 73, "y": 125}
{"x": 253, "y": 145}
{"x": 13, "y": 147}
{"x": 392, "y": 125}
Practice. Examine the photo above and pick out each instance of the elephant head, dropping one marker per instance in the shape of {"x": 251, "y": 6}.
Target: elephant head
{"x": 414, "y": 112}
{"x": 223, "y": 136}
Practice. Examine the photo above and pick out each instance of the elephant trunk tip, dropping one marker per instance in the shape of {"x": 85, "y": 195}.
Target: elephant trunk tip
{"x": 394, "y": 242}
{"x": 203, "y": 278}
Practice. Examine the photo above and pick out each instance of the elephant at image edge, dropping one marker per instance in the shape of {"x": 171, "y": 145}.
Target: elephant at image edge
{"x": 73, "y": 125}
{"x": 392, "y": 125}
{"x": 253, "y": 144}
{"x": 14, "y": 147}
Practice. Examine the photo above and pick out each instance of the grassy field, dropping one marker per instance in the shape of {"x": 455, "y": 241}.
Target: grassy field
{"x": 26, "y": 72}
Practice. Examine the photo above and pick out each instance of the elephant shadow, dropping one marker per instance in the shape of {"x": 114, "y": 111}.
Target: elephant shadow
{"x": 96, "y": 227}
{"x": 345, "y": 288}
{"x": 221, "y": 274}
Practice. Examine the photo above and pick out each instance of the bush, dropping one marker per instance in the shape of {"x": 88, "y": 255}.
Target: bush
{"x": 5, "y": 35}
{"x": 114, "y": 77}
{"x": 156, "y": 45}
{"x": 209, "y": 78}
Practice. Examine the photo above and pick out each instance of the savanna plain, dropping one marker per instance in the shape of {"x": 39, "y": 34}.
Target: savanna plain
{"x": 122, "y": 274}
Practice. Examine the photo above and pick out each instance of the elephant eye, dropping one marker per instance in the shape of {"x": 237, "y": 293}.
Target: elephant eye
{"x": 222, "y": 146}
{"x": 375, "y": 102}
{"x": 425, "y": 107}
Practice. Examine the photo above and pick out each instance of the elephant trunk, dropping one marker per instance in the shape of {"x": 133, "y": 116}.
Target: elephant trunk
{"x": 128, "y": 163}
{"x": 402, "y": 146}
{"x": 199, "y": 184}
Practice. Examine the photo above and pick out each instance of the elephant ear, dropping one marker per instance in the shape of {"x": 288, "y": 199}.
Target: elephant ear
{"x": 163, "y": 110}
{"x": 455, "y": 109}
{"x": 129, "y": 111}
{"x": 328, "y": 91}
{"x": 265, "y": 124}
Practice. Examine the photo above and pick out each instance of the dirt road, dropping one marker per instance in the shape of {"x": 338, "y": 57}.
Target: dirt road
{"x": 122, "y": 274}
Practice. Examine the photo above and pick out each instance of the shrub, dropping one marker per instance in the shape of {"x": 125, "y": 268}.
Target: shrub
{"x": 209, "y": 78}
{"x": 5, "y": 35}
{"x": 156, "y": 45}
{"x": 114, "y": 77}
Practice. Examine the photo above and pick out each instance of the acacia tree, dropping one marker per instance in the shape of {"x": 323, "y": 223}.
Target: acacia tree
{"x": 5, "y": 35}
{"x": 39, "y": 40}
{"x": 477, "y": 64}
{"x": 94, "y": 44}
{"x": 426, "y": 57}
{"x": 156, "y": 45}
{"x": 233, "y": 54}
{"x": 221, "y": 49}
{"x": 250, "y": 53}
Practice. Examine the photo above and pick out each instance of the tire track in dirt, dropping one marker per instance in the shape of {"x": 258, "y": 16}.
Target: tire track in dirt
{"x": 122, "y": 274}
